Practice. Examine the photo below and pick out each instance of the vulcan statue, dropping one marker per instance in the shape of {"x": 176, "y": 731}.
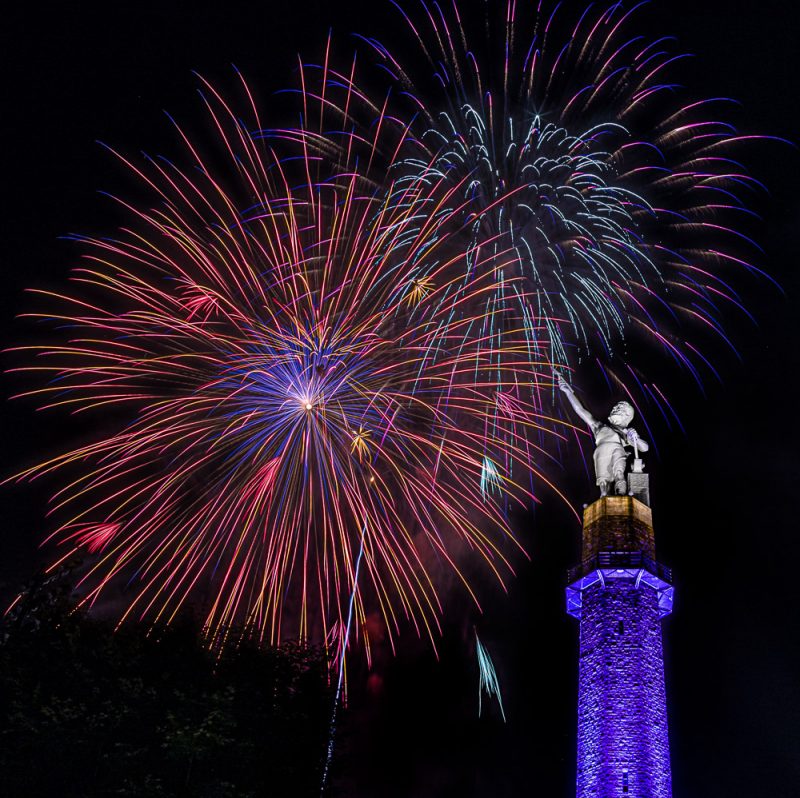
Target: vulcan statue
{"x": 611, "y": 438}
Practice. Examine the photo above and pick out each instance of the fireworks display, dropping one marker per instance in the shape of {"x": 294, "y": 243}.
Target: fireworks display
{"x": 603, "y": 197}
{"x": 287, "y": 403}
{"x": 323, "y": 355}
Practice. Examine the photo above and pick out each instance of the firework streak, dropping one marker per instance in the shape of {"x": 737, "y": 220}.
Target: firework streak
{"x": 487, "y": 678}
{"x": 332, "y": 344}
{"x": 281, "y": 385}
{"x": 606, "y": 203}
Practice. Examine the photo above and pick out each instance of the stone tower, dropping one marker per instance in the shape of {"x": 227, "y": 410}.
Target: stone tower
{"x": 619, "y": 593}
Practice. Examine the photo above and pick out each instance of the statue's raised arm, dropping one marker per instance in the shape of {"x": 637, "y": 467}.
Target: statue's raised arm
{"x": 582, "y": 412}
{"x": 611, "y": 437}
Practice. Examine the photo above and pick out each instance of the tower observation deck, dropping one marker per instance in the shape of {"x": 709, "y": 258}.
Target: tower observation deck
{"x": 619, "y": 593}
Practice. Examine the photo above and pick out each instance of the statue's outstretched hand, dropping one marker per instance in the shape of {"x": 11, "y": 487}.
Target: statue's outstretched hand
{"x": 584, "y": 414}
{"x": 562, "y": 383}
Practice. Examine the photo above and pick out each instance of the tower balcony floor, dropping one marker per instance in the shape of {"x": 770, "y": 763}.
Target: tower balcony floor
{"x": 609, "y": 566}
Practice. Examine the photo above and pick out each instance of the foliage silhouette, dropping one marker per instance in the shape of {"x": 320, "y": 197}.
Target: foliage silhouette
{"x": 88, "y": 711}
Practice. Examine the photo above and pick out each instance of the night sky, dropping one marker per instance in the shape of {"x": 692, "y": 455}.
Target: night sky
{"x": 723, "y": 494}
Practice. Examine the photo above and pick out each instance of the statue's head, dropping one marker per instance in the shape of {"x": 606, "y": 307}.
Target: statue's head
{"x": 621, "y": 414}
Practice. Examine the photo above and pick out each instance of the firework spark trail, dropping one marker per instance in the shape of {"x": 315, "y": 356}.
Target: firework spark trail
{"x": 345, "y": 642}
{"x": 352, "y": 325}
{"x": 280, "y": 379}
{"x": 588, "y": 175}
{"x": 487, "y": 678}
{"x": 519, "y": 378}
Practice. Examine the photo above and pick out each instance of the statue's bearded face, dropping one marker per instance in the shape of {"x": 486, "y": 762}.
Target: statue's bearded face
{"x": 621, "y": 414}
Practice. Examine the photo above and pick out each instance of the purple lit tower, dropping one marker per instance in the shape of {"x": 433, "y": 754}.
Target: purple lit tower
{"x": 620, "y": 593}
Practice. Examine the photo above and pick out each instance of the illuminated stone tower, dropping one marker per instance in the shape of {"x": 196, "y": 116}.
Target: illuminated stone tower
{"x": 620, "y": 593}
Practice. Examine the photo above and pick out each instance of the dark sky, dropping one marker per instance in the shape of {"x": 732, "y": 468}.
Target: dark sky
{"x": 724, "y": 495}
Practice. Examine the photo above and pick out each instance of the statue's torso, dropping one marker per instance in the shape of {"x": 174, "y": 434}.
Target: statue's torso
{"x": 605, "y": 435}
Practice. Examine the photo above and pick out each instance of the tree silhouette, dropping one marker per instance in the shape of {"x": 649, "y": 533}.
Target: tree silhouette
{"x": 88, "y": 711}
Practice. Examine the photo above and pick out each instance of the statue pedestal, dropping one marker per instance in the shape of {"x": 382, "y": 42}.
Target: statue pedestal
{"x": 619, "y": 524}
{"x": 618, "y": 544}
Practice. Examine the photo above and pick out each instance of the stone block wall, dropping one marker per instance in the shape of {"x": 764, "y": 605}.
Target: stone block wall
{"x": 623, "y": 743}
{"x": 618, "y": 523}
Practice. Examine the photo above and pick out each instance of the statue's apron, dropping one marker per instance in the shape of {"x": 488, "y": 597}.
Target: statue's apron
{"x": 610, "y": 457}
